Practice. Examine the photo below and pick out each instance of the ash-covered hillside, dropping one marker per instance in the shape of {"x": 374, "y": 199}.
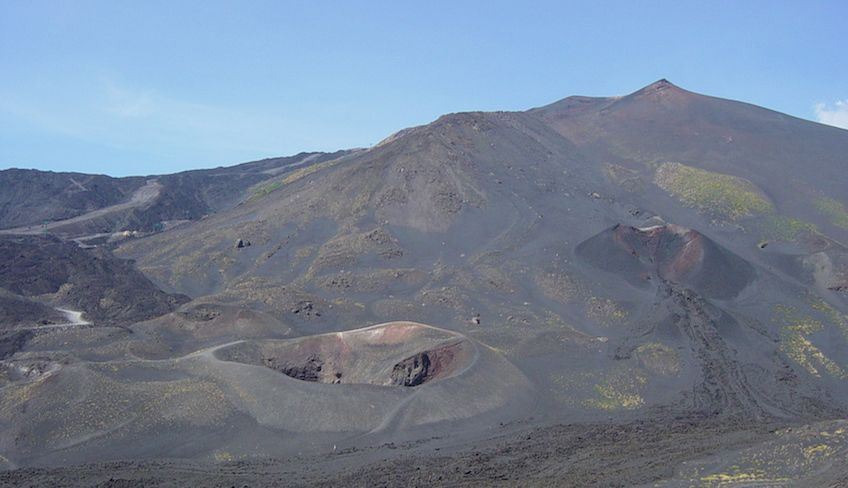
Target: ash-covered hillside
{"x": 664, "y": 267}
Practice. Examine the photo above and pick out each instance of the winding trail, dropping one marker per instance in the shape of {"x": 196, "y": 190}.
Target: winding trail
{"x": 73, "y": 317}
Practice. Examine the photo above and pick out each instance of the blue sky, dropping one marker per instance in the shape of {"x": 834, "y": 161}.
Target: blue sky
{"x": 142, "y": 87}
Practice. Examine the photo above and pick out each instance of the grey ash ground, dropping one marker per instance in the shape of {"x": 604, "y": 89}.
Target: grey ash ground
{"x": 647, "y": 290}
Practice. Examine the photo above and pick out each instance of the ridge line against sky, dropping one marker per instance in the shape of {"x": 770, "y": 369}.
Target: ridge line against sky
{"x": 157, "y": 87}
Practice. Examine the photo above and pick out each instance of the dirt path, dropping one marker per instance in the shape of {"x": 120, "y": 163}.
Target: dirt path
{"x": 73, "y": 317}
{"x": 143, "y": 195}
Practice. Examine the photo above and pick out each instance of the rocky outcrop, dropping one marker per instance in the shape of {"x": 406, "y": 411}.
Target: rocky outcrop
{"x": 412, "y": 371}
{"x": 308, "y": 370}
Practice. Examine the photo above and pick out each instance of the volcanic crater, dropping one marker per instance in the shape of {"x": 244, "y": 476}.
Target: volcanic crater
{"x": 400, "y": 354}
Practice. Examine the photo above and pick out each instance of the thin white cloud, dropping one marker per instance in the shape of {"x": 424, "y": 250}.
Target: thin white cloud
{"x": 141, "y": 115}
{"x": 836, "y": 114}
{"x": 126, "y": 103}
{"x": 119, "y": 115}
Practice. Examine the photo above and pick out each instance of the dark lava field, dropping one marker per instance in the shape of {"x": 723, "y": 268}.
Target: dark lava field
{"x": 648, "y": 290}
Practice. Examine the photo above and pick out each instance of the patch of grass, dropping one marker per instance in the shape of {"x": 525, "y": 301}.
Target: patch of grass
{"x": 717, "y": 194}
{"x": 612, "y": 399}
{"x": 619, "y": 392}
{"x": 835, "y": 316}
{"x": 817, "y": 451}
{"x": 807, "y": 355}
{"x": 834, "y": 210}
{"x": 796, "y": 344}
{"x": 266, "y": 189}
{"x": 290, "y": 178}
{"x": 224, "y": 456}
{"x": 304, "y": 172}
{"x": 658, "y": 359}
{"x": 753, "y": 477}
{"x": 785, "y": 228}
{"x": 557, "y": 286}
{"x": 605, "y": 311}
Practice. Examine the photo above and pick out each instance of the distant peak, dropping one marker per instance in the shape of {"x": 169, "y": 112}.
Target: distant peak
{"x": 660, "y": 89}
{"x": 662, "y": 84}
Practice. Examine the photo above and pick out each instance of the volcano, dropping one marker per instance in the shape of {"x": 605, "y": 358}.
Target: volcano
{"x": 661, "y": 274}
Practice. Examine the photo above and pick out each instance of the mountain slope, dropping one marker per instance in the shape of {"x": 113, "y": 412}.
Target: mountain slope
{"x": 476, "y": 221}
{"x": 663, "y": 257}
{"x": 799, "y": 165}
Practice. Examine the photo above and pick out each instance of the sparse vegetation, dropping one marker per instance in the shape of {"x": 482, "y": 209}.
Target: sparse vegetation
{"x": 720, "y": 195}
{"x": 795, "y": 343}
{"x": 605, "y": 311}
{"x": 290, "y": 178}
{"x": 785, "y": 228}
{"x": 619, "y": 391}
{"x": 557, "y": 286}
{"x": 756, "y": 476}
{"x": 834, "y": 316}
{"x": 266, "y": 189}
{"x": 658, "y": 359}
{"x": 306, "y": 171}
{"x": 834, "y": 210}
{"x": 224, "y": 456}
